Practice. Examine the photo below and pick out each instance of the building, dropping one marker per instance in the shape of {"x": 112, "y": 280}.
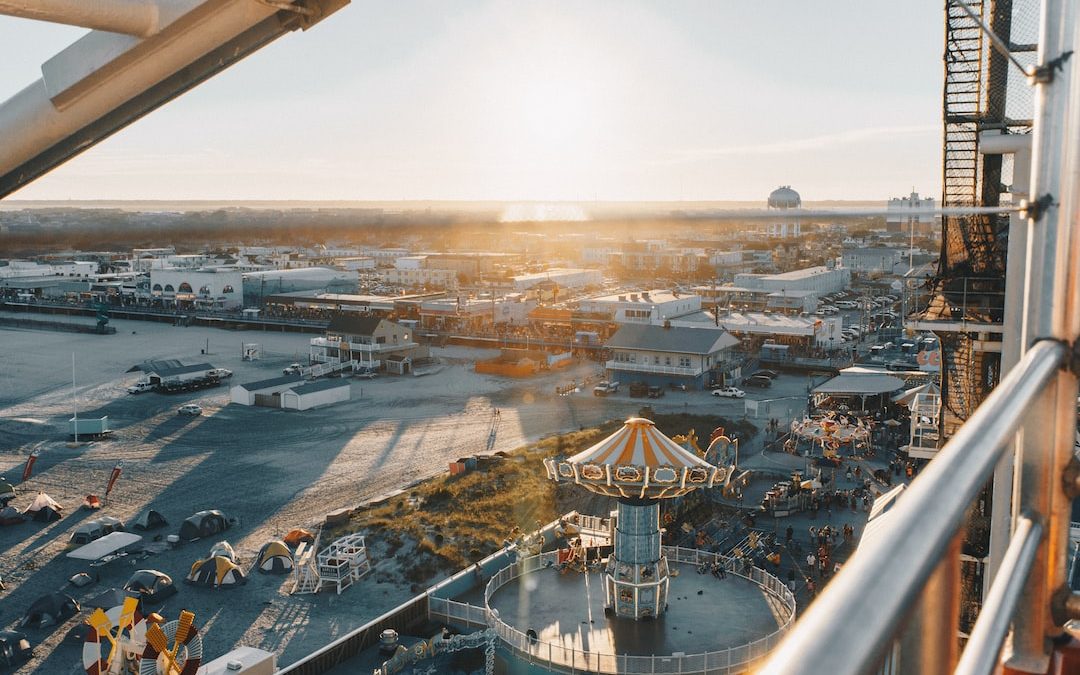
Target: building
{"x": 655, "y": 306}
{"x": 563, "y": 277}
{"x": 166, "y": 372}
{"x": 209, "y": 288}
{"x": 367, "y": 340}
{"x": 663, "y": 355}
{"x": 418, "y": 277}
{"x": 873, "y": 260}
{"x": 264, "y": 392}
{"x": 784, "y": 329}
{"x": 819, "y": 280}
{"x": 358, "y": 263}
{"x": 316, "y": 394}
{"x": 784, "y": 202}
{"x": 259, "y": 285}
{"x": 899, "y": 216}
{"x": 475, "y": 314}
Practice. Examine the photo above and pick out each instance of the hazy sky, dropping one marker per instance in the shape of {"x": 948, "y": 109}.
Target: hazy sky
{"x": 576, "y": 100}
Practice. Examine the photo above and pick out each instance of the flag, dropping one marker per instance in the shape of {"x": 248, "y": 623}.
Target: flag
{"x": 28, "y": 470}
{"x": 113, "y": 477}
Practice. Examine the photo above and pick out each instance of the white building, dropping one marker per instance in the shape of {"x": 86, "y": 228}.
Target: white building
{"x": 356, "y": 263}
{"x": 316, "y": 394}
{"x": 210, "y": 288}
{"x": 874, "y": 260}
{"x": 421, "y": 277}
{"x": 783, "y": 201}
{"x": 819, "y": 331}
{"x": 820, "y": 280}
{"x": 258, "y": 285}
{"x": 899, "y": 216}
{"x": 564, "y": 277}
{"x": 647, "y": 307}
{"x": 264, "y": 392}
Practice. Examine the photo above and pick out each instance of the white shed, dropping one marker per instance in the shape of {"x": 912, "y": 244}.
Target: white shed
{"x": 314, "y": 394}
{"x": 264, "y": 392}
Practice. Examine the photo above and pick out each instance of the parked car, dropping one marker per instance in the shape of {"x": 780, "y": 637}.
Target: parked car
{"x": 605, "y": 388}
{"x": 759, "y": 381}
{"x": 639, "y": 390}
{"x": 140, "y": 387}
{"x": 190, "y": 410}
{"x": 771, "y": 374}
{"x": 729, "y": 392}
{"x": 656, "y": 392}
{"x": 292, "y": 369}
{"x": 220, "y": 373}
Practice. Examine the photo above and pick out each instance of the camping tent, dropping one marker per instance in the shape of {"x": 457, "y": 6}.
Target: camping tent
{"x": 274, "y": 558}
{"x": 7, "y": 492}
{"x": 223, "y": 549}
{"x": 294, "y": 537}
{"x": 44, "y": 509}
{"x": 9, "y": 515}
{"x": 216, "y": 571}
{"x": 15, "y": 649}
{"x": 96, "y": 529}
{"x": 49, "y": 610}
{"x": 114, "y": 597}
{"x": 149, "y": 520}
{"x": 203, "y": 524}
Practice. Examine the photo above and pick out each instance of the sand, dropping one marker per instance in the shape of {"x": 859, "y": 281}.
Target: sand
{"x": 272, "y": 469}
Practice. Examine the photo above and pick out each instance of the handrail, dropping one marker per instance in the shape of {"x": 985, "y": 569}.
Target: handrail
{"x": 863, "y": 607}
{"x": 731, "y": 660}
{"x": 980, "y": 656}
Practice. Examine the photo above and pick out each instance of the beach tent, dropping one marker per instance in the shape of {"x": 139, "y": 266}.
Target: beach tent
{"x": 150, "y": 586}
{"x": 294, "y": 537}
{"x": 9, "y": 515}
{"x": 7, "y": 492}
{"x": 114, "y": 597}
{"x": 215, "y": 572}
{"x": 44, "y": 509}
{"x": 49, "y": 610}
{"x": 96, "y": 529}
{"x": 15, "y": 649}
{"x": 274, "y": 558}
{"x": 149, "y": 520}
{"x": 223, "y": 549}
{"x": 203, "y": 524}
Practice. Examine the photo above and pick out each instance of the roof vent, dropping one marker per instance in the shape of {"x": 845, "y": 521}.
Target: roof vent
{"x": 633, "y": 297}
{"x": 622, "y": 298}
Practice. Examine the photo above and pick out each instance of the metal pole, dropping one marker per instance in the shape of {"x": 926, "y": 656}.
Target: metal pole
{"x": 866, "y": 603}
{"x": 1050, "y": 306}
{"x": 131, "y": 17}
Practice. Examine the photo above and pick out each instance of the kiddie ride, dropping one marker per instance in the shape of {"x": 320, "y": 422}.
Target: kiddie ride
{"x": 122, "y": 640}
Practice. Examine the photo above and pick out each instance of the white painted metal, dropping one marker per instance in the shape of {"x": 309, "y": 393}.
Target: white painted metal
{"x": 130, "y": 17}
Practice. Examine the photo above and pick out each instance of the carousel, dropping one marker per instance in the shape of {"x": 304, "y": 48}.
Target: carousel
{"x": 832, "y": 433}
{"x": 639, "y": 466}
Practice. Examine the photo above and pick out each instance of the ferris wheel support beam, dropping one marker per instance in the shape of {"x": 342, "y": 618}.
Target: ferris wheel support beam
{"x": 107, "y": 80}
{"x": 129, "y": 17}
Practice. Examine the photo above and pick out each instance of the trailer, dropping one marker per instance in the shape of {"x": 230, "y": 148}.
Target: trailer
{"x": 89, "y": 427}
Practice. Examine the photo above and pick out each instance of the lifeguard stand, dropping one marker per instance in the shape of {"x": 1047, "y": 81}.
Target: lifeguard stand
{"x": 343, "y": 562}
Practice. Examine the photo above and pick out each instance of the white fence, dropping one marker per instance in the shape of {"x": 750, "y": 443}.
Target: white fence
{"x": 564, "y": 659}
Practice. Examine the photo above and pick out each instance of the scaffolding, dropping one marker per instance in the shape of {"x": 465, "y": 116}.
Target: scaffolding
{"x": 343, "y": 563}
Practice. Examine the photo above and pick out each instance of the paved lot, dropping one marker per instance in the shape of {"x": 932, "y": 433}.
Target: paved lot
{"x": 271, "y": 469}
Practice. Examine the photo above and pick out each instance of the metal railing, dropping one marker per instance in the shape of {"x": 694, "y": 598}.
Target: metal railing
{"x": 864, "y": 606}
{"x": 559, "y": 658}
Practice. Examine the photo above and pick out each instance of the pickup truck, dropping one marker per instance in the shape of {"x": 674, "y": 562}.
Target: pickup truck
{"x": 292, "y": 369}
{"x": 140, "y": 387}
{"x": 605, "y": 388}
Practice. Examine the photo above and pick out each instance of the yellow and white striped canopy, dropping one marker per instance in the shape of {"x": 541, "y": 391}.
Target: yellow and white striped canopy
{"x": 637, "y": 462}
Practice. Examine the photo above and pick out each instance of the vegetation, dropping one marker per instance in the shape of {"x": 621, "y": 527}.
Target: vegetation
{"x": 451, "y": 521}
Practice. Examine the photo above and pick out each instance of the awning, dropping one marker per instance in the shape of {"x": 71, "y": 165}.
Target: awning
{"x": 110, "y": 543}
{"x": 860, "y": 385}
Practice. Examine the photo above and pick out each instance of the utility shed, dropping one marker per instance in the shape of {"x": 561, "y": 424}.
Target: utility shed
{"x": 315, "y": 394}
{"x": 264, "y": 392}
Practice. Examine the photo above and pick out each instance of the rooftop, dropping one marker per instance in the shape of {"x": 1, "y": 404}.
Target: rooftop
{"x": 272, "y": 382}
{"x": 320, "y": 385}
{"x": 679, "y": 339}
{"x": 653, "y": 297}
{"x": 799, "y": 274}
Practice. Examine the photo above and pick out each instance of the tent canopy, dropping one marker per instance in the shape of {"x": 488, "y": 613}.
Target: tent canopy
{"x": 9, "y": 515}
{"x": 217, "y": 571}
{"x": 113, "y": 597}
{"x": 48, "y": 610}
{"x": 44, "y": 508}
{"x": 294, "y": 537}
{"x": 149, "y": 520}
{"x": 203, "y": 524}
{"x": 860, "y": 384}
{"x": 110, "y": 543}
{"x": 223, "y": 549}
{"x": 274, "y": 557}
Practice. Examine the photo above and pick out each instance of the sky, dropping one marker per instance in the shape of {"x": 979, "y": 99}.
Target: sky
{"x": 615, "y": 100}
